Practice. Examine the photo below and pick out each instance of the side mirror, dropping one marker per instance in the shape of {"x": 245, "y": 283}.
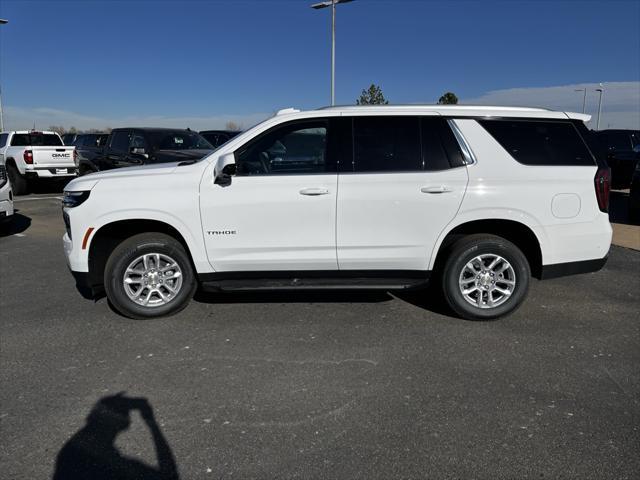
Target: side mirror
{"x": 636, "y": 149}
{"x": 138, "y": 151}
{"x": 225, "y": 169}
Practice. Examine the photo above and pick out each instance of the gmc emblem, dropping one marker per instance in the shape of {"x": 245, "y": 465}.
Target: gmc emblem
{"x": 61, "y": 155}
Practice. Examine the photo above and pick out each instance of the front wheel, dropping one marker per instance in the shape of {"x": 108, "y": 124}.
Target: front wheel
{"x": 485, "y": 277}
{"x": 149, "y": 275}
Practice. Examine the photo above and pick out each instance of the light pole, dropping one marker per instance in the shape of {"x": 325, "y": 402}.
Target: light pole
{"x": 2, "y": 22}
{"x": 584, "y": 98}
{"x": 601, "y": 90}
{"x": 332, "y": 4}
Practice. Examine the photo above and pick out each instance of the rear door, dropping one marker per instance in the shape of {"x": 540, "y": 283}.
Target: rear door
{"x": 118, "y": 153}
{"x": 404, "y": 184}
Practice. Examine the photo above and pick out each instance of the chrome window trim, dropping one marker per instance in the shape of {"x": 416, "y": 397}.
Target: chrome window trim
{"x": 467, "y": 153}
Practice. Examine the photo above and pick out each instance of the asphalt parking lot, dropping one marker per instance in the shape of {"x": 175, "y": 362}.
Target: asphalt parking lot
{"x": 317, "y": 385}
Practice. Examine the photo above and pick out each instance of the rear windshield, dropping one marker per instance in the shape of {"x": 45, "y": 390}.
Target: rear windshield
{"x": 540, "y": 142}
{"x": 36, "y": 140}
{"x": 178, "y": 140}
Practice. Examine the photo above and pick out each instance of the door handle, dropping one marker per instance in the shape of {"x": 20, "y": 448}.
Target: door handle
{"x": 314, "y": 191}
{"x": 436, "y": 189}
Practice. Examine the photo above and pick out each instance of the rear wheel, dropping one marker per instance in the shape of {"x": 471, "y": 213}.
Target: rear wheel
{"x": 149, "y": 275}
{"x": 485, "y": 277}
{"x": 19, "y": 184}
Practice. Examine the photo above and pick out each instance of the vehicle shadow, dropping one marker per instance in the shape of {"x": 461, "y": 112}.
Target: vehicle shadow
{"x": 292, "y": 296}
{"x": 619, "y": 207}
{"x": 91, "y": 452}
{"x": 427, "y": 298}
{"x": 48, "y": 186}
{"x": 18, "y": 224}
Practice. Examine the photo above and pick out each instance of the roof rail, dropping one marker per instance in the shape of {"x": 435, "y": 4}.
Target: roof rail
{"x": 284, "y": 111}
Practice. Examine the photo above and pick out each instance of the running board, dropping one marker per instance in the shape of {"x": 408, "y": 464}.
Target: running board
{"x": 314, "y": 280}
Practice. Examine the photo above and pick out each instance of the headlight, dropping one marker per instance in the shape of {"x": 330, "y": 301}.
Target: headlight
{"x": 73, "y": 199}
{"x": 3, "y": 175}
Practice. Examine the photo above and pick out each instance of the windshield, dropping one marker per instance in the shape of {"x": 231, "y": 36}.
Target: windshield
{"x": 36, "y": 140}
{"x": 178, "y": 140}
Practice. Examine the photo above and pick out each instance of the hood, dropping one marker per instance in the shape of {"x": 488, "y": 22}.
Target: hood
{"x": 87, "y": 182}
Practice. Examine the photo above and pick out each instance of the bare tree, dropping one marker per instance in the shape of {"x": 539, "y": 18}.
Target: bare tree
{"x": 58, "y": 129}
{"x": 231, "y": 125}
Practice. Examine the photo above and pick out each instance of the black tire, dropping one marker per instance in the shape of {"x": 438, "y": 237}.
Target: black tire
{"x": 19, "y": 184}
{"x": 465, "y": 250}
{"x": 127, "y": 252}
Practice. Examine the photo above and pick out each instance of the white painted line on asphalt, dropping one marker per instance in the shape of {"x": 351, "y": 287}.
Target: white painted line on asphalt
{"x": 35, "y": 198}
{"x": 19, "y": 235}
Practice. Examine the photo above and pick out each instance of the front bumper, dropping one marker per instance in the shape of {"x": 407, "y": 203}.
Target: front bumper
{"x": 6, "y": 202}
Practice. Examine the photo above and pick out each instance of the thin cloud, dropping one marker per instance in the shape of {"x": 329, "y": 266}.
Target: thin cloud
{"x": 620, "y": 102}
{"x": 18, "y": 118}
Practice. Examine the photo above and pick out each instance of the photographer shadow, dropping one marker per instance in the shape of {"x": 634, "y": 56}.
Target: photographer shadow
{"x": 91, "y": 452}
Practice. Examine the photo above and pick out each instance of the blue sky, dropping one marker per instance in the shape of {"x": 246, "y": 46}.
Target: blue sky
{"x": 92, "y": 61}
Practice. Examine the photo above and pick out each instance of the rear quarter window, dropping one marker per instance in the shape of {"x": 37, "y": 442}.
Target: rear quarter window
{"x": 540, "y": 142}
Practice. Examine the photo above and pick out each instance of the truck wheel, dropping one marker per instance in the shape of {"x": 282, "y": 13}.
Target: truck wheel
{"x": 485, "y": 277}
{"x": 19, "y": 184}
{"x": 149, "y": 275}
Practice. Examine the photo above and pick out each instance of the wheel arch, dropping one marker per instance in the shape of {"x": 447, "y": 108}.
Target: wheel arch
{"x": 518, "y": 233}
{"x": 107, "y": 237}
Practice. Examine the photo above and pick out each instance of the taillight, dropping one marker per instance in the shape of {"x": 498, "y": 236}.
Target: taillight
{"x": 603, "y": 186}
{"x": 28, "y": 157}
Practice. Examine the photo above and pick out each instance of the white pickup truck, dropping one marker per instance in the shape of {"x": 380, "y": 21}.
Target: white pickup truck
{"x": 30, "y": 154}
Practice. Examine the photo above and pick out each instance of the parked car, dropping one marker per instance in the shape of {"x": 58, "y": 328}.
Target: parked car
{"x": 91, "y": 140}
{"x": 6, "y": 197}
{"x": 478, "y": 199}
{"x": 618, "y": 146}
{"x": 29, "y": 155}
{"x": 69, "y": 138}
{"x": 218, "y": 137}
{"x": 634, "y": 192}
{"x": 128, "y": 147}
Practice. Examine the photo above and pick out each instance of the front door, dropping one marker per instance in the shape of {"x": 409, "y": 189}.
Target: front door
{"x": 278, "y": 213}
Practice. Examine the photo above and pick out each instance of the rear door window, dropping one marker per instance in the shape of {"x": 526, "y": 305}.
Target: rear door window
{"x": 120, "y": 141}
{"x": 386, "y": 144}
{"x": 540, "y": 142}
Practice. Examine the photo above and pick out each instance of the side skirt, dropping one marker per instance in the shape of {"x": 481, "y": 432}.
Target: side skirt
{"x": 315, "y": 280}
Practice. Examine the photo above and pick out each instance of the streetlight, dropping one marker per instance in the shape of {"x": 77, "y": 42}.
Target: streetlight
{"x": 2, "y": 22}
{"x": 601, "y": 90}
{"x": 332, "y": 4}
{"x": 584, "y": 98}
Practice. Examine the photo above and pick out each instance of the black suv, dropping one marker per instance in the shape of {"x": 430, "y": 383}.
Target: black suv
{"x": 127, "y": 147}
{"x": 618, "y": 148}
{"x": 218, "y": 137}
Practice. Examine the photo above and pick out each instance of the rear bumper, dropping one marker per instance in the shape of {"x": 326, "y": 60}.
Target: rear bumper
{"x": 572, "y": 268}
{"x": 51, "y": 171}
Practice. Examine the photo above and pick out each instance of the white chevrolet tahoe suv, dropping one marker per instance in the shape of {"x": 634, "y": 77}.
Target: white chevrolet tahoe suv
{"x": 387, "y": 197}
{"x": 30, "y": 154}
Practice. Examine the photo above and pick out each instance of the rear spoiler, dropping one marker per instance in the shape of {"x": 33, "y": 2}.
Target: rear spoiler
{"x": 578, "y": 116}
